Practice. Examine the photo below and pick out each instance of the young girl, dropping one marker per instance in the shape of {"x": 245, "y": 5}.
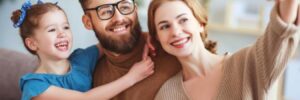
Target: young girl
{"x": 45, "y": 31}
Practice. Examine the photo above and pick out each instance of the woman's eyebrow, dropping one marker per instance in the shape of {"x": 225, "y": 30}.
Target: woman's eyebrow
{"x": 161, "y": 22}
{"x": 164, "y": 21}
{"x": 180, "y": 15}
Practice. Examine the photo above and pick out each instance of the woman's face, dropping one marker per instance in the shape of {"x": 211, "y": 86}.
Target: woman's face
{"x": 177, "y": 29}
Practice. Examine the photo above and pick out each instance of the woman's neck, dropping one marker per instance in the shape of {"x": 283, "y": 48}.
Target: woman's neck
{"x": 59, "y": 67}
{"x": 200, "y": 63}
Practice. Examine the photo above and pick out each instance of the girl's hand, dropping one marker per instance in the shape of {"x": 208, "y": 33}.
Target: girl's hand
{"x": 288, "y": 10}
{"x": 142, "y": 69}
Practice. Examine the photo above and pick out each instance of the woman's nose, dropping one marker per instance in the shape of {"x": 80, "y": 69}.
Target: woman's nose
{"x": 176, "y": 30}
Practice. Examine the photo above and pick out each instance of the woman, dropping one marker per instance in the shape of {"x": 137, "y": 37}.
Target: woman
{"x": 246, "y": 74}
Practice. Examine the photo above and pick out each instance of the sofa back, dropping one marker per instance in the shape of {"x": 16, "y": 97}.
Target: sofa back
{"x": 13, "y": 65}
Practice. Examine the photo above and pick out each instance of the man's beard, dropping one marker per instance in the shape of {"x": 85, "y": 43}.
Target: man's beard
{"x": 122, "y": 44}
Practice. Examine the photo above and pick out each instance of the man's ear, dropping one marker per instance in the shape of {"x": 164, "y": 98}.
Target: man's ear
{"x": 87, "y": 22}
{"x": 31, "y": 44}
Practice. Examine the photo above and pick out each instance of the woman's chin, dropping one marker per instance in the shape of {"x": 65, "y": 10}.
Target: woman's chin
{"x": 179, "y": 54}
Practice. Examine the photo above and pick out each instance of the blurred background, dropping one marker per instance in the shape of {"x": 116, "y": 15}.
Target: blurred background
{"x": 234, "y": 24}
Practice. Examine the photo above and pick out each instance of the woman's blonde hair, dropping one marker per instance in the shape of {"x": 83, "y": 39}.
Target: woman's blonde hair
{"x": 198, "y": 11}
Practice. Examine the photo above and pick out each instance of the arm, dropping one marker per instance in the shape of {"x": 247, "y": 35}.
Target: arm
{"x": 103, "y": 92}
{"x": 262, "y": 63}
{"x": 138, "y": 72}
{"x": 266, "y": 60}
{"x": 275, "y": 48}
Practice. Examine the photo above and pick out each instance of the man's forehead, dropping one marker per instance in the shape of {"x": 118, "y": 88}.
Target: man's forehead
{"x": 95, "y": 3}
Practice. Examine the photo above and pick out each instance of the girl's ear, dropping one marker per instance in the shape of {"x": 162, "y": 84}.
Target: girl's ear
{"x": 31, "y": 43}
{"x": 87, "y": 22}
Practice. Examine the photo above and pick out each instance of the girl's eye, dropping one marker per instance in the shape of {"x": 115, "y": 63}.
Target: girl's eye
{"x": 52, "y": 30}
{"x": 66, "y": 27}
{"x": 163, "y": 27}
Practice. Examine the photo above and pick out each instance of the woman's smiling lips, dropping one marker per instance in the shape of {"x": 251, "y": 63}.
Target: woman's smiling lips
{"x": 180, "y": 43}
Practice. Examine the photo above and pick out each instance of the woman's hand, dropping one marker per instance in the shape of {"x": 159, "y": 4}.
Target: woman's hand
{"x": 289, "y": 11}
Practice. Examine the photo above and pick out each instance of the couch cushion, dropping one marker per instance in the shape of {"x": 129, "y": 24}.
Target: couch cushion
{"x": 13, "y": 65}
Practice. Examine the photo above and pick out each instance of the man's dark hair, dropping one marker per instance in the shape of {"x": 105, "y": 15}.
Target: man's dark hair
{"x": 84, "y": 3}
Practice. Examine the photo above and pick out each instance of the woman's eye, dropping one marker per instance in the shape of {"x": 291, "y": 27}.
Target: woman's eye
{"x": 183, "y": 20}
{"x": 163, "y": 27}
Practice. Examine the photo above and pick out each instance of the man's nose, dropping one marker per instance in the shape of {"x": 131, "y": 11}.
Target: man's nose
{"x": 117, "y": 16}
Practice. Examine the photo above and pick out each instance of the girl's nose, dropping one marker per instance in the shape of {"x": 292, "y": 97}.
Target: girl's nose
{"x": 61, "y": 34}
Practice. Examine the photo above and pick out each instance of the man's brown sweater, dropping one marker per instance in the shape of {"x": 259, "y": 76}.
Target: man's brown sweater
{"x": 110, "y": 68}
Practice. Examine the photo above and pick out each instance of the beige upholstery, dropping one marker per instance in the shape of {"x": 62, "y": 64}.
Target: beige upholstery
{"x": 13, "y": 65}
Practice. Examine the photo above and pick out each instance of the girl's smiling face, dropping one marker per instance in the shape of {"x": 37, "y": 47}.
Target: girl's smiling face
{"x": 53, "y": 38}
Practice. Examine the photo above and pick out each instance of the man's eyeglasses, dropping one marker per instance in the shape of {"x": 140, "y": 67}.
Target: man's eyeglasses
{"x": 107, "y": 11}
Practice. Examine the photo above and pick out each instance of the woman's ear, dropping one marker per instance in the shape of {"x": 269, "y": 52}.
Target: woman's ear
{"x": 31, "y": 44}
{"x": 157, "y": 38}
{"x": 201, "y": 27}
{"x": 87, "y": 22}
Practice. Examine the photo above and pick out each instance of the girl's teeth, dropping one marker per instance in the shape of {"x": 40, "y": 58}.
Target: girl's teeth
{"x": 62, "y": 46}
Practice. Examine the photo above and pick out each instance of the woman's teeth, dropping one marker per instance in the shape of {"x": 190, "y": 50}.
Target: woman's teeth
{"x": 180, "y": 42}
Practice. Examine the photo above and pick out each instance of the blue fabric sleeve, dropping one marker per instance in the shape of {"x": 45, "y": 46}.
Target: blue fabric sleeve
{"x": 33, "y": 87}
{"x": 86, "y": 59}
